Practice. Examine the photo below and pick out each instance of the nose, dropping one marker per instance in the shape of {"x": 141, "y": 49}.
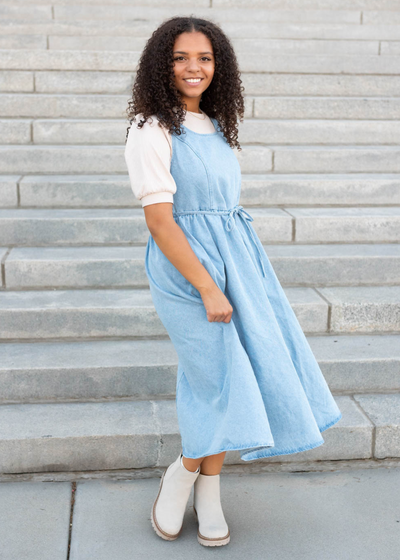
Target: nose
{"x": 193, "y": 65}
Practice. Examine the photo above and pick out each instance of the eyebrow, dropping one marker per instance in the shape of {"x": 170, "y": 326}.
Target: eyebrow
{"x": 183, "y": 52}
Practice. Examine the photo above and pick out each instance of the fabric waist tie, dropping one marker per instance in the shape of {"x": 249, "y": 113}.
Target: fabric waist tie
{"x": 230, "y": 223}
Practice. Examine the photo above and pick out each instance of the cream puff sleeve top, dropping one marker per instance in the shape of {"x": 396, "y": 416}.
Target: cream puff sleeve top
{"x": 148, "y": 153}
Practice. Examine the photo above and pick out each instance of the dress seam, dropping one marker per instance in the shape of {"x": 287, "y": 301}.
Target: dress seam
{"x": 210, "y": 194}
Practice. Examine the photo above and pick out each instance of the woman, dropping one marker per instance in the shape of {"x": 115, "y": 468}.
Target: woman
{"x": 247, "y": 379}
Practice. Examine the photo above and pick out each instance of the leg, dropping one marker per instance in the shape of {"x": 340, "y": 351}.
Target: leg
{"x": 210, "y": 465}
{"x": 191, "y": 464}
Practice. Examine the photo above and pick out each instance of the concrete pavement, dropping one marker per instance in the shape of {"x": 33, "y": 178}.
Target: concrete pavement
{"x": 338, "y": 515}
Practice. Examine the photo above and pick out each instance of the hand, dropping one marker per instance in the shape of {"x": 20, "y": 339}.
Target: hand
{"x": 217, "y": 305}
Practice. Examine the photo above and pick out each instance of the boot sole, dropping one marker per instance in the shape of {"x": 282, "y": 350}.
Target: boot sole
{"x": 206, "y": 541}
{"x": 156, "y": 527}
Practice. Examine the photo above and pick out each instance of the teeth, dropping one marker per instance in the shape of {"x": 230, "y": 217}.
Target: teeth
{"x": 193, "y": 80}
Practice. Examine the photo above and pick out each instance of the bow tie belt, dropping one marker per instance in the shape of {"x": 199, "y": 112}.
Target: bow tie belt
{"x": 230, "y": 224}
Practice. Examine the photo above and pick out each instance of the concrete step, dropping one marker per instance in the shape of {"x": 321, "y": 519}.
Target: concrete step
{"x": 87, "y": 370}
{"x": 309, "y": 5}
{"x": 137, "y": 43}
{"x": 331, "y": 159}
{"x": 281, "y": 130}
{"x": 129, "y": 43}
{"x": 296, "y": 132}
{"x": 346, "y": 225}
{"x": 42, "y": 105}
{"x": 26, "y": 59}
{"x": 255, "y": 159}
{"x": 76, "y": 227}
{"x": 32, "y": 227}
{"x": 317, "y": 107}
{"x": 149, "y": 5}
{"x": 144, "y": 369}
{"x": 138, "y": 434}
{"x": 15, "y": 131}
{"x": 100, "y": 106}
{"x": 110, "y": 267}
{"x": 29, "y": 12}
{"x": 247, "y": 27}
{"x": 268, "y": 190}
{"x": 363, "y": 309}
{"x": 384, "y": 412}
{"x": 124, "y": 12}
{"x": 109, "y": 226}
{"x": 280, "y": 46}
{"x": 65, "y": 159}
{"x": 278, "y": 131}
{"x": 231, "y": 14}
{"x": 30, "y": 42}
{"x": 273, "y": 84}
{"x": 115, "y": 313}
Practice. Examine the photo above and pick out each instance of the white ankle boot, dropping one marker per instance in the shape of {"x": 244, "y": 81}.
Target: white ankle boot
{"x": 213, "y": 529}
{"x": 173, "y": 494}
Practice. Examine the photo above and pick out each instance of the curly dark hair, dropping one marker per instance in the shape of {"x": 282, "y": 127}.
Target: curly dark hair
{"x": 154, "y": 91}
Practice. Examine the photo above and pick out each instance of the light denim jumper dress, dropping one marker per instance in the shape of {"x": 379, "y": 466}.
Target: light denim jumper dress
{"x": 252, "y": 384}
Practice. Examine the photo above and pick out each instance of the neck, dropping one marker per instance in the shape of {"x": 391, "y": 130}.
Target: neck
{"x": 192, "y": 105}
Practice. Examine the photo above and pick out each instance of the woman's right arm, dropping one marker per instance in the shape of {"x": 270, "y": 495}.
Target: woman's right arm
{"x": 147, "y": 155}
{"x": 174, "y": 244}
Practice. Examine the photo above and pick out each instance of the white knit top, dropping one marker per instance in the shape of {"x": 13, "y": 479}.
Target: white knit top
{"x": 148, "y": 153}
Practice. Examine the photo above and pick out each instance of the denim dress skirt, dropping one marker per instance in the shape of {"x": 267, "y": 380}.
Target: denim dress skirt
{"x": 252, "y": 384}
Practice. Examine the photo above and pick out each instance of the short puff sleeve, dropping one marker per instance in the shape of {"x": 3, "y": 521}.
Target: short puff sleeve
{"x": 148, "y": 152}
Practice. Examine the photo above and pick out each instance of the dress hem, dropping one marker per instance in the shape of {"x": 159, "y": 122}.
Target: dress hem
{"x": 282, "y": 452}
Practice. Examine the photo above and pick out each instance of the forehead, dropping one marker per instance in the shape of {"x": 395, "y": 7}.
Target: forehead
{"x": 193, "y": 43}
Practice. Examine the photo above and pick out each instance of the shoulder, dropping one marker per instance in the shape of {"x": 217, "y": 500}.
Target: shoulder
{"x": 150, "y": 129}
{"x": 149, "y": 138}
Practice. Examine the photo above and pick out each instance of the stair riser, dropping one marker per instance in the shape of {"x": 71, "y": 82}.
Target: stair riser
{"x": 146, "y": 369}
{"x": 26, "y": 273}
{"x": 126, "y": 61}
{"x": 93, "y": 191}
{"x": 327, "y": 132}
{"x": 277, "y": 227}
{"x": 53, "y": 385}
{"x": 113, "y": 82}
{"x": 99, "y": 159}
{"x": 31, "y": 324}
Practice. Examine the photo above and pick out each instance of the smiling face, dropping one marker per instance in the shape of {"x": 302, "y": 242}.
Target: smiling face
{"x": 193, "y": 67}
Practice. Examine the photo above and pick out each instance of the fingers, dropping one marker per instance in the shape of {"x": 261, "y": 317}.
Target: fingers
{"x": 218, "y": 307}
{"x": 221, "y": 318}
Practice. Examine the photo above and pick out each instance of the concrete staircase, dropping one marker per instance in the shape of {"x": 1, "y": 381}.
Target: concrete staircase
{"x": 87, "y": 370}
